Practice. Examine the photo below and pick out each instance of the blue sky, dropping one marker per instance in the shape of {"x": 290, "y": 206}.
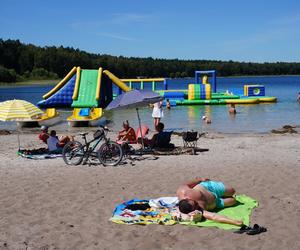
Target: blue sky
{"x": 257, "y": 31}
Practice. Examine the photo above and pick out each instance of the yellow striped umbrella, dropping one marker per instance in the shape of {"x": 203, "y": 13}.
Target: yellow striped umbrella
{"x": 18, "y": 110}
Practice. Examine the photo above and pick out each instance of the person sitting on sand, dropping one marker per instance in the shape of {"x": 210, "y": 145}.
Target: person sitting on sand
{"x": 206, "y": 119}
{"x": 232, "y": 109}
{"x": 57, "y": 143}
{"x": 205, "y": 195}
{"x": 53, "y": 143}
{"x": 64, "y": 139}
{"x": 44, "y": 135}
{"x": 127, "y": 134}
{"x": 161, "y": 139}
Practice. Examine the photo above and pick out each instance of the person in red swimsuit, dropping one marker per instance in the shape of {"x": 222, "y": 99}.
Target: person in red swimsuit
{"x": 127, "y": 134}
{"x": 44, "y": 135}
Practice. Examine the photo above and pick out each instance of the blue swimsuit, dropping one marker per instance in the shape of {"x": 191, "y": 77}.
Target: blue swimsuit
{"x": 217, "y": 189}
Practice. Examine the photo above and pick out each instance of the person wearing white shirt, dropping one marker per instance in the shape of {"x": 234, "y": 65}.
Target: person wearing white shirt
{"x": 53, "y": 143}
{"x": 157, "y": 113}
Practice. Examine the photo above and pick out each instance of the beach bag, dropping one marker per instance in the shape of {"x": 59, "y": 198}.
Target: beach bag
{"x": 99, "y": 133}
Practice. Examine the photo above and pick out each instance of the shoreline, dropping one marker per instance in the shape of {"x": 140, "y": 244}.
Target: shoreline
{"x": 114, "y": 130}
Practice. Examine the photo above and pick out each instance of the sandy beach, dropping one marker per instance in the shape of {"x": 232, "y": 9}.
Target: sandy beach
{"x": 45, "y": 204}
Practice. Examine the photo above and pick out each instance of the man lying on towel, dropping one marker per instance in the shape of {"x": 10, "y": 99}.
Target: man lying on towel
{"x": 205, "y": 195}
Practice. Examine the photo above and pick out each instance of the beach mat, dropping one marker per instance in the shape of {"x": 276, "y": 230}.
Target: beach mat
{"x": 37, "y": 154}
{"x": 179, "y": 151}
{"x": 123, "y": 215}
{"x": 242, "y": 211}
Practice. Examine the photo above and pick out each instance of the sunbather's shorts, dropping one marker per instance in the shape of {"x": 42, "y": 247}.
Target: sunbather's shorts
{"x": 217, "y": 189}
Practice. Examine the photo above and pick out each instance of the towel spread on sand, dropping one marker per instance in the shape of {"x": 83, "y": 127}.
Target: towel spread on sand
{"x": 165, "y": 215}
{"x": 163, "y": 202}
{"x": 125, "y": 214}
{"x": 37, "y": 154}
{"x": 242, "y": 211}
{"x": 178, "y": 151}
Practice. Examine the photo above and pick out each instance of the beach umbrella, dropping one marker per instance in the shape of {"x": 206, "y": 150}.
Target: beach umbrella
{"x": 18, "y": 110}
{"x": 135, "y": 99}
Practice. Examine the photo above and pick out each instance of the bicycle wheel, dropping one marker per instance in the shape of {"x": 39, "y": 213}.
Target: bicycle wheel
{"x": 73, "y": 153}
{"x": 110, "y": 154}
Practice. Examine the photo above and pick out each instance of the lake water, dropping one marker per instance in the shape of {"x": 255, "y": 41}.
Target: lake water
{"x": 258, "y": 118}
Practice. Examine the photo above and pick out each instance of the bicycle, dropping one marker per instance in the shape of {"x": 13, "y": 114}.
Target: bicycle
{"x": 109, "y": 153}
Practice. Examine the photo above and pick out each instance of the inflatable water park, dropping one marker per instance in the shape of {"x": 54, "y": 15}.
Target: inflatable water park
{"x": 201, "y": 92}
{"x": 89, "y": 91}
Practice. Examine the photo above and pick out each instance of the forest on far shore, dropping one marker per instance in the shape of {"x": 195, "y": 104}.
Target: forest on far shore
{"x": 21, "y": 62}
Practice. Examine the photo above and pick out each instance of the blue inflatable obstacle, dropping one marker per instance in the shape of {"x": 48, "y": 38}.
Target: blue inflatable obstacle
{"x": 254, "y": 90}
{"x": 173, "y": 97}
{"x": 62, "y": 98}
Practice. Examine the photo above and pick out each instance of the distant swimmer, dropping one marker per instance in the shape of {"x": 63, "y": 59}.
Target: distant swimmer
{"x": 206, "y": 119}
{"x": 168, "y": 104}
{"x": 298, "y": 99}
{"x": 232, "y": 109}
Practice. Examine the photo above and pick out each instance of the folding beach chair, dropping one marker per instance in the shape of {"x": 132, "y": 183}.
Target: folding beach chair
{"x": 190, "y": 139}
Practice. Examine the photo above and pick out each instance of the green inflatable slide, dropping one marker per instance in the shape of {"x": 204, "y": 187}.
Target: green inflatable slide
{"x": 87, "y": 90}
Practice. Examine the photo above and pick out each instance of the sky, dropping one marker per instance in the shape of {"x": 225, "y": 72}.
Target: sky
{"x": 249, "y": 31}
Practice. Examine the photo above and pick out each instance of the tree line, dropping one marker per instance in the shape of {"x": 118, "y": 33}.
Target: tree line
{"x": 19, "y": 61}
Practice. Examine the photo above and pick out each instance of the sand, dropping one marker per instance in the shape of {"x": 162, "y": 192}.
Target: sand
{"x": 45, "y": 204}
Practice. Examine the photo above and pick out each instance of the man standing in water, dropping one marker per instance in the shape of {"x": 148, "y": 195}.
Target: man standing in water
{"x": 157, "y": 113}
{"x": 232, "y": 109}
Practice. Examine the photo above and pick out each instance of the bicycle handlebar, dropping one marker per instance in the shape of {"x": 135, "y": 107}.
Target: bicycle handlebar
{"x": 83, "y": 135}
{"x": 105, "y": 128}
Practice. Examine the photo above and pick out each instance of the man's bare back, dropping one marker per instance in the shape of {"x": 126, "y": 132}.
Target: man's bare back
{"x": 205, "y": 195}
{"x": 204, "y": 198}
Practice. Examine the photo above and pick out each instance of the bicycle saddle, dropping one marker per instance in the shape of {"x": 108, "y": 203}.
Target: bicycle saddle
{"x": 83, "y": 134}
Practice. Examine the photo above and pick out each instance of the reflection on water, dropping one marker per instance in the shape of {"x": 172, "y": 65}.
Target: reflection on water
{"x": 207, "y": 111}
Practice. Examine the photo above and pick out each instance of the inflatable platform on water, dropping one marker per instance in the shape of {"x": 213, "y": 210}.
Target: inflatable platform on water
{"x": 85, "y": 117}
